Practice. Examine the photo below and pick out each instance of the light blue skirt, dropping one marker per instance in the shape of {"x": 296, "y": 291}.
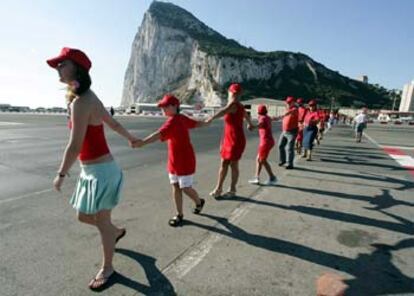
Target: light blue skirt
{"x": 98, "y": 187}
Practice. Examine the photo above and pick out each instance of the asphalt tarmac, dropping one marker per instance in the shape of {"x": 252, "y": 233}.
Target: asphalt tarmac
{"x": 349, "y": 212}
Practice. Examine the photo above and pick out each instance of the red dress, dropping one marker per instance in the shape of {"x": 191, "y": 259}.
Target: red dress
{"x": 234, "y": 140}
{"x": 266, "y": 138}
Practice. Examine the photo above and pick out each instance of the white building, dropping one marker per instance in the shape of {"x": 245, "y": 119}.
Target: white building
{"x": 407, "y": 98}
{"x": 363, "y": 78}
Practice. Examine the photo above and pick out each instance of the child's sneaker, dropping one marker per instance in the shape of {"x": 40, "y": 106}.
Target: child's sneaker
{"x": 272, "y": 181}
{"x": 254, "y": 181}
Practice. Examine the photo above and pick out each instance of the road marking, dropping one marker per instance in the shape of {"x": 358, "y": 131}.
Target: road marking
{"x": 192, "y": 257}
{"x": 398, "y": 147}
{"x": 9, "y": 123}
{"x": 397, "y": 154}
{"x": 25, "y": 195}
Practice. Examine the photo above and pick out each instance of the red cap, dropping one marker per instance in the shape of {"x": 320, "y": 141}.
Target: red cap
{"x": 75, "y": 55}
{"x": 290, "y": 100}
{"x": 235, "y": 88}
{"x": 262, "y": 110}
{"x": 312, "y": 103}
{"x": 168, "y": 100}
{"x": 299, "y": 101}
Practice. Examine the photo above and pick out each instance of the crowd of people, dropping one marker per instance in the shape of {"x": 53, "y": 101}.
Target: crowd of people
{"x": 97, "y": 191}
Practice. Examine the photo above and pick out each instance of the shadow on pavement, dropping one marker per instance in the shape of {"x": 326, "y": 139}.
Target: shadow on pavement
{"x": 405, "y": 226}
{"x": 351, "y": 161}
{"x": 405, "y": 184}
{"x": 158, "y": 283}
{"x": 374, "y": 273}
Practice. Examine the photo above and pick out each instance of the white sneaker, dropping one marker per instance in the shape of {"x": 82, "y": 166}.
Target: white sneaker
{"x": 254, "y": 181}
{"x": 272, "y": 181}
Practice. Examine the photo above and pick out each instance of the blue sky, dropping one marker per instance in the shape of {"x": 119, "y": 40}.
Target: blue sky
{"x": 354, "y": 37}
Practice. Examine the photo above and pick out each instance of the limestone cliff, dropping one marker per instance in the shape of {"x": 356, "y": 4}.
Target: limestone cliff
{"x": 175, "y": 52}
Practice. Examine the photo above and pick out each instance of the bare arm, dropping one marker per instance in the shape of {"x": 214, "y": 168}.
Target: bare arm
{"x": 151, "y": 138}
{"x": 202, "y": 123}
{"x": 230, "y": 108}
{"x": 79, "y": 117}
{"x": 115, "y": 125}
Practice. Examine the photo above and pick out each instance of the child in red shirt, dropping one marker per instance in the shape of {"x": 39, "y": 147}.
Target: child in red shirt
{"x": 181, "y": 157}
{"x": 265, "y": 145}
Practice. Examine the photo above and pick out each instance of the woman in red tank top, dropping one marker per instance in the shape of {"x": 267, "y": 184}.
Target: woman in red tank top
{"x": 233, "y": 141}
{"x": 98, "y": 188}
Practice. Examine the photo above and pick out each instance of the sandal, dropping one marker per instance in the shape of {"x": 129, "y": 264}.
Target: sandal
{"x": 176, "y": 220}
{"x": 230, "y": 193}
{"x": 101, "y": 282}
{"x": 121, "y": 235}
{"x": 215, "y": 193}
{"x": 199, "y": 208}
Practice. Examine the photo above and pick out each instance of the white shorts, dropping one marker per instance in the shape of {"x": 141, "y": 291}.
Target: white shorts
{"x": 183, "y": 181}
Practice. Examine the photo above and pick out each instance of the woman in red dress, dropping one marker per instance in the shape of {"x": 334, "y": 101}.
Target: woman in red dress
{"x": 233, "y": 141}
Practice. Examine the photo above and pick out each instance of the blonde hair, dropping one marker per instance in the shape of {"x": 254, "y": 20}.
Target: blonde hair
{"x": 233, "y": 96}
{"x": 70, "y": 94}
{"x": 80, "y": 85}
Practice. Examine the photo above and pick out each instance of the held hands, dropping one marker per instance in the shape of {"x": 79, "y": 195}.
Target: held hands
{"x": 250, "y": 127}
{"x": 208, "y": 120}
{"x": 137, "y": 143}
{"x": 57, "y": 183}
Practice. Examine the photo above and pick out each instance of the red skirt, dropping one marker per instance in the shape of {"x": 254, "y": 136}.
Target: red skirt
{"x": 232, "y": 151}
{"x": 264, "y": 150}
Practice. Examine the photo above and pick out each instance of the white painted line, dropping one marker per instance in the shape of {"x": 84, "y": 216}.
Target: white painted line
{"x": 398, "y": 147}
{"x": 190, "y": 259}
{"x": 372, "y": 140}
{"x": 403, "y": 160}
{"x": 25, "y": 195}
{"x": 9, "y": 123}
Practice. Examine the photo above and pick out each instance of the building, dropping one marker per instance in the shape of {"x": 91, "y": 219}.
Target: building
{"x": 407, "y": 98}
{"x": 363, "y": 78}
{"x": 274, "y": 107}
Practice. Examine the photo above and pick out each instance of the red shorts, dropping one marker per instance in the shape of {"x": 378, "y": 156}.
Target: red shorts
{"x": 264, "y": 150}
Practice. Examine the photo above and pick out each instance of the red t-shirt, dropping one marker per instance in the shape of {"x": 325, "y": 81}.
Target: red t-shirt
{"x": 265, "y": 130}
{"x": 322, "y": 118}
{"x": 181, "y": 157}
{"x": 290, "y": 122}
{"x": 311, "y": 118}
{"x": 302, "y": 113}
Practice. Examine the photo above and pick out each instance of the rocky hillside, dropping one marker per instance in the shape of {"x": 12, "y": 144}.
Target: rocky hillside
{"x": 175, "y": 52}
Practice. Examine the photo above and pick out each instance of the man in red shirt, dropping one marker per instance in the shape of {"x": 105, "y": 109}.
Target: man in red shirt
{"x": 289, "y": 132}
{"x": 181, "y": 158}
{"x": 302, "y": 110}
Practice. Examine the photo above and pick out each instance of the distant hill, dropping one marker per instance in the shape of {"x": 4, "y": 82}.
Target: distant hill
{"x": 175, "y": 52}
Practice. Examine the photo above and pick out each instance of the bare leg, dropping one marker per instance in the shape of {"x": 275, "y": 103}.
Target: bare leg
{"x": 258, "y": 167}
{"x": 222, "y": 174}
{"x": 268, "y": 169}
{"x": 234, "y": 175}
{"x": 87, "y": 219}
{"x": 309, "y": 157}
{"x": 191, "y": 193}
{"x": 91, "y": 220}
{"x": 178, "y": 198}
{"x": 108, "y": 236}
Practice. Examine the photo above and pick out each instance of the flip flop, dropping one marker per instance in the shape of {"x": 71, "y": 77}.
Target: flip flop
{"x": 121, "y": 235}
{"x": 230, "y": 194}
{"x": 199, "y": 208}
{"x": 102, "y": 280}
{"x": 215, "y": 193}
{"x": 175, "y": 221}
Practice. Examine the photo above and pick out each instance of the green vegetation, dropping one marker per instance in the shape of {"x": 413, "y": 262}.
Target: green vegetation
{"x": 300, "y": 82}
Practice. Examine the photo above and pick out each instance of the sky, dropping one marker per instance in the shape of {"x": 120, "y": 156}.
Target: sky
{"x": 355, "y": 37}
